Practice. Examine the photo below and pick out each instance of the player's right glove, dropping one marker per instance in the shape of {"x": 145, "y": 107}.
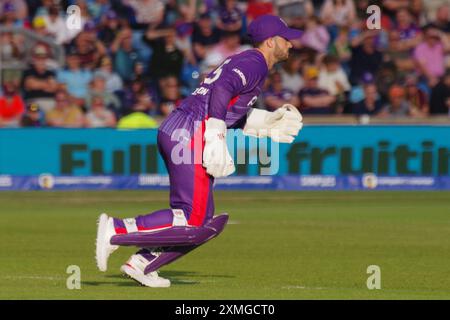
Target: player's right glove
{"x": 282, "y": 125}
{"x": 216, "y": 158}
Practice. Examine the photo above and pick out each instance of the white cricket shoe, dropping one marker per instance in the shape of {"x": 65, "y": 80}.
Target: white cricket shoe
{"x": 105, "y": 230}
{"x": 134, "y": 268}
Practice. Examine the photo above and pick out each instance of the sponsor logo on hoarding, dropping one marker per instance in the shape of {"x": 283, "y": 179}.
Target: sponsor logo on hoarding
{"x": 153, "y": 180}
{"x": 46, "y": 181}
{"x": 133, "y": 160}
{"x": 318, "y": 181}
{"x": 369, "y": 181}
{"x": 6, "y": 181}
{"x": 383, "y": 158}
{"x": 406, "y": 181}
{"x": 237, "y": 181}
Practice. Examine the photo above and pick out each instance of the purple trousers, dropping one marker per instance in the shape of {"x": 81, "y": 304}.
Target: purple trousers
{"x": 190, "y": 195}
{"x": 190, "y": 187}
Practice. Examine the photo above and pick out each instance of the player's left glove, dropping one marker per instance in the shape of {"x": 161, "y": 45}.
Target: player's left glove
{"x": 282, "y": 125}
{"x": 216, "y": 158}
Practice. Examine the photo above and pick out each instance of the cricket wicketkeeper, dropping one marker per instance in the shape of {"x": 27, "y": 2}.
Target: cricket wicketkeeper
{"x": 223, "y": 100}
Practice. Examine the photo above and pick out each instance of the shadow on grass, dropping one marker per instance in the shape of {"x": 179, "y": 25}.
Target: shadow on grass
{"x": 176, "y": 277}
{"x": 116, "y": 283}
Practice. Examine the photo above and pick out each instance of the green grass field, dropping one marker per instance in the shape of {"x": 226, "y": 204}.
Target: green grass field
{"x": 279, "y": 245}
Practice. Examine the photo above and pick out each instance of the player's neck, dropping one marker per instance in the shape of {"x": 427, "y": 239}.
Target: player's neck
{"x": 270, "y": 62}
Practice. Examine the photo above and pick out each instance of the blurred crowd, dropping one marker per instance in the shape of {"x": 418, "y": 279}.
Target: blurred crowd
{"x": 129, "y": 63}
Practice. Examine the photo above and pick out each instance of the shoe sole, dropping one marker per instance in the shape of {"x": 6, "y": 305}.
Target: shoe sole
{"x": 131, "y": 274}
{"x": 100, "y": 249}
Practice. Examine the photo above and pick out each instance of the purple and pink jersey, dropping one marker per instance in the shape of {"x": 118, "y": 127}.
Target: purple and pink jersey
{"x": 227, "y": 93}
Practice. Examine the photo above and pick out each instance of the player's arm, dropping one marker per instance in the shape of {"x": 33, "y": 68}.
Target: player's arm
{"x": 281, "y": 125}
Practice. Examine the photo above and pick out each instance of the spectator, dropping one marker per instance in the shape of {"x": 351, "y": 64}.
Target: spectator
{"x": 416, "y": 97}
{"x": 391, "y": 7}
{"x": 170, "y": 95}
{"x": 146, "y": 103}
{"x": 65, "y": 114}
{"x": 332, "y": 77}
{"x": 365, "y": 57}
{"x": 204, "y": 37}
{"x": 192, "y": 9}
{"x": 146, "y": 13}
{"x": 98, "y": 8}
{"x": 89, "y": 48}
{"x": 172, "y": 12}
{"x": 110, "y": 28}
{"x": 418, "y": 12}
{"x": 136, "y": 87}
{"x": 10, "y": 16}
{"x": 183, "y": 38}
{"x": 276, "y": 96}
{"x": 40, "y": 28}
{"x": 11, "y": 48}
{"x": 371, "y": 104}
{"x": 316, "y": 35}
{"x": 230, "y": 17}
{"x": 294, "y": 11}
{"x": 256, "y": 8}
{"x": 39, "y": 82}
{"x": 98, "y": 89}
{"x": 19, "y": 7}
{"x": 440, "y": 96}
{"x": 431, "y": 9}
{"x": 395, "y": 52}
{"x": 430, "y": 55}
{"x": 125, "y": 55}
{"x": 357, "y": 91}
{"x": 75, "y": 78}
{"x": 314, "y": 100}
{"x": 408, "y": 30}
{"x": 99, "y": 116}
{"x": 402, "y": 41}
{"x": 230, "y": 44}
{"x": 290, "y": 73}
{"x": 442, "y": 21}
{"x": 338, "y": 13}
{"x": 385, "y": 78}
{"x": 341, "y": 46}
{"x": 140, "y": 74}
{"x": 33, "y": 116}
{"x": 11, "y": 105}
{"x": 113, "y": 81}
{"x": 398, "y": 106}
{"x": 166, "y": 59}
{"x": 56, "y": 27}
{"x": 137, "y": 119}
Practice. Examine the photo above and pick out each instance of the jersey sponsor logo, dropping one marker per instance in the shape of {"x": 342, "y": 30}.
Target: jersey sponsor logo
{"x": 251, "y": 102}
{"x": 200, "y": 91}
{"x": 241, "y": 75}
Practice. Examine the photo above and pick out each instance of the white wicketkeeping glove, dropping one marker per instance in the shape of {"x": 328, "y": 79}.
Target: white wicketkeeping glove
{"x": 216, "y": 158}
{"x": 282, "y": 125}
